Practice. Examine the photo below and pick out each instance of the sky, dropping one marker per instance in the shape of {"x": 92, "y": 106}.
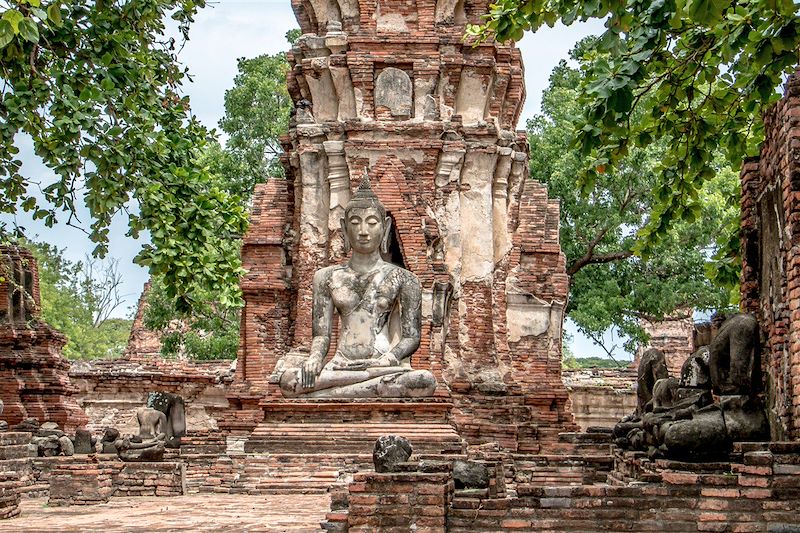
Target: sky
{"x": 230, "y": 29}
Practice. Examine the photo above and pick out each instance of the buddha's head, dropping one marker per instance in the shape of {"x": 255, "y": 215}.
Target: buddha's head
{"x": 365, "y": 226}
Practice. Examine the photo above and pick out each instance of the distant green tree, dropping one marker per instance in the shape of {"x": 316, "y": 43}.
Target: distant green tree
{"x": 210, "y": 332}
{"x": 611, "y": 287}
{"x": 568, "y": 361}
{"x": 256, "y": 115}
{"x": 599, "y": 362}
{"x": 78, "y": 299}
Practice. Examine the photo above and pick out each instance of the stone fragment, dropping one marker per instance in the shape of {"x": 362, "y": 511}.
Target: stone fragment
{"x": 66, "y": 445}
{"x": 50, "y": 433}
{"x": 30, "y": 425}
{"x": 49, "y": 426}
{"x": 46, "y": 446}
{"x": 83, "y": 442}
{"x": 390, "y": 451}
{"x": 470, "y": 475}
{"x": 108, "y": 447}
{"x": 110, "y": 435}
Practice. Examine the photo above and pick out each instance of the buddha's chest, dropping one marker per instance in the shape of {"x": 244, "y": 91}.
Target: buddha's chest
{"x": 373, "y": 293}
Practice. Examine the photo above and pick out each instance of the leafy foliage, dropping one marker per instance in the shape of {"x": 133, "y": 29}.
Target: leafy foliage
{"x": 95, "y": 85}
{"x": 598, "y": 362}
{"x": 694, "y": 75}
{"x": 256, "y": 114}
{"x": 610, "y": 287}
{"x": 78, "y": 300}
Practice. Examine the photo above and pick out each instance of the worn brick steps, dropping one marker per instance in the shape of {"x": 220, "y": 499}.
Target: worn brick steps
{"x": 358, "y": 438}
{"x": 271, "y": 473}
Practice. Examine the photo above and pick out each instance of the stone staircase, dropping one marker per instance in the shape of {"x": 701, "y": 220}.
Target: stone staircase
{"x": 349, "y": 438}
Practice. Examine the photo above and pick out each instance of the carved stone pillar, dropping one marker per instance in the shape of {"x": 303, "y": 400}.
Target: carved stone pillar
{"x": 501, "y": 238}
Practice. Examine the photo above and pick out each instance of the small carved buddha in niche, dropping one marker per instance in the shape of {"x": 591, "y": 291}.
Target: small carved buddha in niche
{"x": 379, "y": 308}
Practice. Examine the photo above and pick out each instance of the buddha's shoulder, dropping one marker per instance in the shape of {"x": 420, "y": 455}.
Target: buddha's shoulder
{"x": 398, "y": 273}
{"x": 325, "y": 273}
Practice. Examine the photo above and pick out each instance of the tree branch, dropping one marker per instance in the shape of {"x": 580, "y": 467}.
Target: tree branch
{"x": 590, "y": 259}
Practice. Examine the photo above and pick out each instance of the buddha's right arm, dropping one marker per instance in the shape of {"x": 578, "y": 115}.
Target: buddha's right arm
{"x": 319, "y": 349}
{"x": 321, "y": 318}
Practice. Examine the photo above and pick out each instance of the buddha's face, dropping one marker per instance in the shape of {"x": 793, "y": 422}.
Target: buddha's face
{"x": 365, "y": 229}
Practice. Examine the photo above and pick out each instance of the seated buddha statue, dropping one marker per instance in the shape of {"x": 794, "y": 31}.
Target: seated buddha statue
{"x": 379, "y": 308}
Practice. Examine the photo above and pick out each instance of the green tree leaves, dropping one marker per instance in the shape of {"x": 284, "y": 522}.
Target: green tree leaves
{"x": 611, "y": 287}
{"x": 697, "y": 74}
{"x": 96, "y": 87}
{"x": 256, "y": 115}
{"x": 77, "y": 299}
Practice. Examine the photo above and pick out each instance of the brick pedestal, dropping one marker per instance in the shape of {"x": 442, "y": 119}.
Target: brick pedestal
{"x": 407, "y": 501}
{"x": 150, "y": 479}
{"x": 9, "y": 494}
{"x": 81, "y": 484}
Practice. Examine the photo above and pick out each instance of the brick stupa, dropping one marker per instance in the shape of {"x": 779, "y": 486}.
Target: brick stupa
{"x": 392, "y": 87}
{"x": 34, "y": 380}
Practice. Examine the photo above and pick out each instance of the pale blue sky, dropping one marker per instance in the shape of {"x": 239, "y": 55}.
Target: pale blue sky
{"x": 231, "y": 29}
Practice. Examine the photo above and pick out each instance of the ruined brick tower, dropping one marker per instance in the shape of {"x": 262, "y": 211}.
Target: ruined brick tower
{"x": 33, "y": 373}
{"x": 391, "y": 86}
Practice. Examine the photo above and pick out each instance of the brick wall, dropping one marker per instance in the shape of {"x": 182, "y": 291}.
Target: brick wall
{"x": 111, "y": 391}
{"x": 770, "y": 235}
{"x": 758, "y": 492}
{"x": 674, "y": 337}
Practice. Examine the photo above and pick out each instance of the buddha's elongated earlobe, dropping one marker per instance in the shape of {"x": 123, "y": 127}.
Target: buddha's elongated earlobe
{"x": 343, "y": 224}
{"x": 386, "y": 232}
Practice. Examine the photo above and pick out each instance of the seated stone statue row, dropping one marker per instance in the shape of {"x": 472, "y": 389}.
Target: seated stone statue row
{"x": 679, "y": 418}
{"x": 379, "y": 308}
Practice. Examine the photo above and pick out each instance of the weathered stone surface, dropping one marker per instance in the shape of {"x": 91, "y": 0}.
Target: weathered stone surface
{"x": 110, "y": 434}
{"x": 31, "y": 425}
{"x": 371, "y": 297}
{"x": 147, "y": 450}
{"x": 389, "y": 452}
{"x": 393, "y": 90}
{"x": 682, "y": 419}
{"x": 470, "y": 475}
{"x": 67, "y": 448}
{"x": 83, "y": 442}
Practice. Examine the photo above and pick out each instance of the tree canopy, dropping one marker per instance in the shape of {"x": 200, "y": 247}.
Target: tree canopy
{"x": 609, "y": 285}
{"x": 693, "y": 75}
{"x": 96, "y": 87}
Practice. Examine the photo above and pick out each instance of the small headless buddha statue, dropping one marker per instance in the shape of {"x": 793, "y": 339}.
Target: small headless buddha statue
{"x": 379, "y": 307}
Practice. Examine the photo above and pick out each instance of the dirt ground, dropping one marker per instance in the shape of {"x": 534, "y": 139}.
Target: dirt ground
{"x": 197, "y": 512}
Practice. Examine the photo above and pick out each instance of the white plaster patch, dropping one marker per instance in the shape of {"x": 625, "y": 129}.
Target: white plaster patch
{"x": 473, "y": 91}
{"x": 392, "y": 22}
{"x": 526, "y": 316}
{"x": 427, "y": 304}
{"x": 235, "y": 445}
